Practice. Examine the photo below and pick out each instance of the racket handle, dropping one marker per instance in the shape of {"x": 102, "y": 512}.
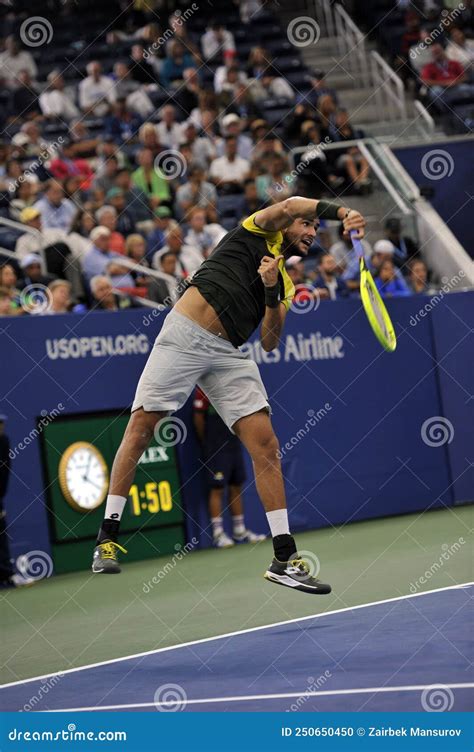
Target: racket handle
{"x": 356, "y": 244}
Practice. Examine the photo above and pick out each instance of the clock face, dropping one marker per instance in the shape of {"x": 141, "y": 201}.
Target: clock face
{"x": 83, "y": 476}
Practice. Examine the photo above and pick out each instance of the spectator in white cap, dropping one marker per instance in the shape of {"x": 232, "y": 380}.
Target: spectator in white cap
{"x": 33, "y": 274}
{"x": 383, "y": 249}
{"x": 232, "y": 126}
{"x": 101, "y": 260}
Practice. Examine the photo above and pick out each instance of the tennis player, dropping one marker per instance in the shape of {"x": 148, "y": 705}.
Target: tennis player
{"x": 242, "y": 284}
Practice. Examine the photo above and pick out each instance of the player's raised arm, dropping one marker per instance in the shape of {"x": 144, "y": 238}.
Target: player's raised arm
{"x": 275, "y": 311}
{"x": 281, "y": 215}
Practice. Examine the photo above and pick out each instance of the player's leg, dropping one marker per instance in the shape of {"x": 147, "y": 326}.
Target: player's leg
{"x": 169, "y": 376}
{"x": 287, "y": 568}
{"x": 236, "y": 391}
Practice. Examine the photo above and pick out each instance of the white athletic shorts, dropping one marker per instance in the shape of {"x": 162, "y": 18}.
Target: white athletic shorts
{"x": 185, "y": 354}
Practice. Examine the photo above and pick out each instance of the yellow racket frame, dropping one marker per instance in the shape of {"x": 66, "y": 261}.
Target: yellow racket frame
{"x": 375, "y": 310}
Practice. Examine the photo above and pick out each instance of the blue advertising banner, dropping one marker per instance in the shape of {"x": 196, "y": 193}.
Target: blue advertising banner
{"x": 354, "y": 423}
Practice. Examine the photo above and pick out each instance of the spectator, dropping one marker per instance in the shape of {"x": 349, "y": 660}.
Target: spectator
{"x": 169, "y": 132}
{"x": 461, "y": 50}
{"x": 9, "y": 283}
{"x": 220, "y": 75}
{"x": 232, "y": 126}
{"x": 200, "y": 235}
{"x": 105, "y": 176}
{"x": 124, "y": 218}
{"x": 383, "y": 249}
{"x": 14, "y": 60}
{"x": 319, "y": 88}
{"x": 145, "y": 70}
{"x": 7, "y": 306}
{"x": 24, "y": 98}
{"x": 442, "y": 76}
{"x": 136, "y": 252}
{"x": 106, "y": 216}
{"x": 243, "y": 105}
{"x": 100, "y": 260}
{"x": 276, "y": 184}
{"x": 350, "y": 159}
{"x": 66, "y": 165}
{"x": 136, "y": 199}
{"x": 78, "y": 239}
{"x": 188, "y": 257}
{"x": 404, "y": 247}
{"x": 230, "y": 171}
{"x": 418, "y": 278}
{"x": 122, "y": 124}
{"x": 272, "y": 86}
{"x": 223, "y": 461}
{"x": 326, "y": 115}
{"x": 32, "y": 268}
{"x": 249, "y": 203}
{"x": 59, "y": 294}
{"x": 216, "y": 41}
{"x": 148, "y": 138}
{"x": 166, "y": 291}
{"x": 329, "y": 285}
{"x": 419, "y": 53}
{"x": 387, "y": 282}
{"x": 95, "y": 91}
{"x": 176, "y": 62}
{"x": 187, "y": 96}
{"x": 135, "y": 94}
{"x": 56, "y": 211}
{"x": 103, "y": 296}
{"x": 157, "y": 237}
{"x": 196, "y": 192}
{"x": 55, "y": 101}
{"x": 151, "y": 180}
{"x": 202, "y": 148}
{"x": 258, "y": 61}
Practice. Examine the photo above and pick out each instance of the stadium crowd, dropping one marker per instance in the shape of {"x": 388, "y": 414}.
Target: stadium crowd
{"x": 116, "y": 184}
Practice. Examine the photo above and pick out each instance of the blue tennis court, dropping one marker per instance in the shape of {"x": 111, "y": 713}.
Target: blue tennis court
{"x": 410, "y": 653}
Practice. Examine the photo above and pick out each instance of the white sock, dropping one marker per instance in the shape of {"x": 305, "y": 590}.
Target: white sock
{"x": 114, "y": 507}
{"x": 217, "y": 527}
{"x": 278, "y": 522}
{"x": 238, "y": 525}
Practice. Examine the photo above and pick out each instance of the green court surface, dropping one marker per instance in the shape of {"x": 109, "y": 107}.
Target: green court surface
{"x": 78, "y": 619}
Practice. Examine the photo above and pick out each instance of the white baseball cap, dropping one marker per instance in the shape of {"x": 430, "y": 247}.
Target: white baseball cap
{"x": 384, "y": 246}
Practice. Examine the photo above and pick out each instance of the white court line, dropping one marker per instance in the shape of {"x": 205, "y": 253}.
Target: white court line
{"x": 281, "y": 696}
{"x": 42, "y": 677}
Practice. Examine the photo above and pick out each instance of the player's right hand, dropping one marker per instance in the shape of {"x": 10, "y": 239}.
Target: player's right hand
{"x": 354, "y": 221}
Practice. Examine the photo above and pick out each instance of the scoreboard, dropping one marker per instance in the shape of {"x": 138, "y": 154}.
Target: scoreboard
{"x": 78, "y": 452}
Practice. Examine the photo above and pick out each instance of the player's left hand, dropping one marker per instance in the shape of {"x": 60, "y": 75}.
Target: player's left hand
{"x": 354, "y": 221}
{"x": 268, "y": 270}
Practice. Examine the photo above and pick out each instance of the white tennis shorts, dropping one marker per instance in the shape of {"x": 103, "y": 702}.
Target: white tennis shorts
{"x": 185, "y": 354}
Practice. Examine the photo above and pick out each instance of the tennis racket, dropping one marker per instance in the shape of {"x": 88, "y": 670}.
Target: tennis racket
{"x": 374, "y": 306}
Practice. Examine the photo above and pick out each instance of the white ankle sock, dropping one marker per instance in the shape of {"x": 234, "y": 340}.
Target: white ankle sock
{"x": 217, "y": 526}
{"x": 238, "y": 525}
{"x": 114, "y": 507}
{"x": 278, "y": 522}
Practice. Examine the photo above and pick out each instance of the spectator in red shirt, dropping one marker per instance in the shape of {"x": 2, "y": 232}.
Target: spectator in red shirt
{"x": 66, "y": 165}
{"x": 445, "y": 78}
